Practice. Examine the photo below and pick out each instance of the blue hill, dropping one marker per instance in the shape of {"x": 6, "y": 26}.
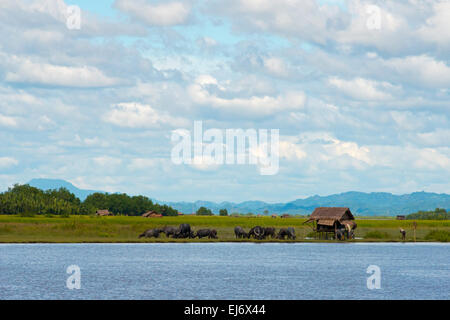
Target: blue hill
{"x": 367, "y": 204}
{"x": 48, "y": 184}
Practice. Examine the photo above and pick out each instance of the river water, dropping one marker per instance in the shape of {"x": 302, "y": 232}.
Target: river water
{"x": 225, "y": 271}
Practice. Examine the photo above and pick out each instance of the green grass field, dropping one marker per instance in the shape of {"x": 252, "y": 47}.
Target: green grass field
{"x": 16, "y": 229}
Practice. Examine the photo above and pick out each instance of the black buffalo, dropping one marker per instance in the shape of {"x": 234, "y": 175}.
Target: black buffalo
{"x": 210, "y": 233}
{"x": 257, "y": 232}
{"x": 184, "y": 231}
{"x": 240, "y": 233}
{"x": 169, "y": 231}
{"x": 151, "y": 233}
{"x": 291, "y": 233}
{"x": 286, "y": 232}
{"x": 269, "y": 231}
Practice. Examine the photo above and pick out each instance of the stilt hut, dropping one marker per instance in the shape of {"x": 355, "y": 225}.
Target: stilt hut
{"x": 333, "y": 221}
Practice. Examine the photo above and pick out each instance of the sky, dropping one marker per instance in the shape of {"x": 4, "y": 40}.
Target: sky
{"x": 359, "y": 91}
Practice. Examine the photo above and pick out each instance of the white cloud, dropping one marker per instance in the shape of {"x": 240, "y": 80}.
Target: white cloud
{"x": 438, "y": 137}
{"x": 137, "y": 115}
{"x": 291, "y": 151}
{"x": 276, "y": 66}
{"x": 106, "y": 161}
{"x": 207, "y": 42}
{"x": 143, "y": 163}
{"x": 431, "y": 159}
{"x": 380, "y": 25}
{"x": 412, "y": 159}
{"x": 306, "y": 19}
{"x": 7, "y": 121}
{"x": 27, "y": 71}
{"x": 6, "y": 162}
{"x": 362, "y": 89}
{"x": 420, "y": 70}
{"x": 159, "y": 14}
{"x": 314, "y": 150}
{"x": 352, "y": 149}
{"x": 254, "y": 105}
{"x": 437, "y": 27}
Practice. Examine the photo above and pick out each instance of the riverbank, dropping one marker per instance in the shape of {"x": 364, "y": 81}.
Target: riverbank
{"x": 124, "y": 229}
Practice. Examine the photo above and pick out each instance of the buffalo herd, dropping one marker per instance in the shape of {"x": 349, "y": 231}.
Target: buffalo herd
{"x": 261, "y": 233}
{"x": 184, "y": 231}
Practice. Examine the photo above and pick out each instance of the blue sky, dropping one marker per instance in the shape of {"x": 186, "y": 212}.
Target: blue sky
{"x": 358, "y": 108}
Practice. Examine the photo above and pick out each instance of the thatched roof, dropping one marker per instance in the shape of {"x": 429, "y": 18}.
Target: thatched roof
{"x": 103, "y": 213}
{"x": 329, "y": 215}
{"x": 151, "y": 214}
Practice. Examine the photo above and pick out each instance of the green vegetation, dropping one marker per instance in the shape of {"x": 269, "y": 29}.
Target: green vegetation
{"x": 203, "y": 211}
{"x": 376, "y": 234}
{"x": 437, "y": 214}
{"x": 438, "y": 235}
{"x": 126, "y": 205}
{"x": 90, "y": 228}
{"x": 28, "y": 214}
{"x": 28, "y": 201}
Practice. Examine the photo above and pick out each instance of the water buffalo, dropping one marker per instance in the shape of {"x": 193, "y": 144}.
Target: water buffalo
{"x": 169, "y": 231}
{"x": 282, "y": 233}
{"x": 240, "y": 233}
{"x": 151, "y": 233}
{"x": 257, "y": 232}
{"x": 269, "y": 231}
{"x": 210, "y": 233}
{"x": 289, "y": 232}
{"x": 184, "y": 231}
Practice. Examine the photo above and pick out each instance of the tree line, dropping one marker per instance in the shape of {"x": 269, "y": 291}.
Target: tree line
{"x": 26, "y": 200}
{"x": 437, "y": 214}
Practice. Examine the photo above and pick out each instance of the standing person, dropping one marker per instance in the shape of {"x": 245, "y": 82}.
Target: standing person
{"x": 403, "y": 232}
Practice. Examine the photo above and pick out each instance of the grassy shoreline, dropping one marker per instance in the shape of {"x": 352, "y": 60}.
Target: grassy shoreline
{"x": 124, "y": 229}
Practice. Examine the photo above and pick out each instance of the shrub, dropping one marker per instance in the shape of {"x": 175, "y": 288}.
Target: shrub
{"x": 203, "y": 211}
{"x": 438, "y": 235}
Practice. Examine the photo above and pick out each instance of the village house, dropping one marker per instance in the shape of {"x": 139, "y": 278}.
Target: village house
{"x": 331, "y": 220}
{"x": 103, "y": 213}
{"x": 152, "y": 214}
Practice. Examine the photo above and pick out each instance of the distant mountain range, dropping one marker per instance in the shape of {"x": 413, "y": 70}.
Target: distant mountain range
{"x": 47, "y": 184}
{"x": 366, "y": 204}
